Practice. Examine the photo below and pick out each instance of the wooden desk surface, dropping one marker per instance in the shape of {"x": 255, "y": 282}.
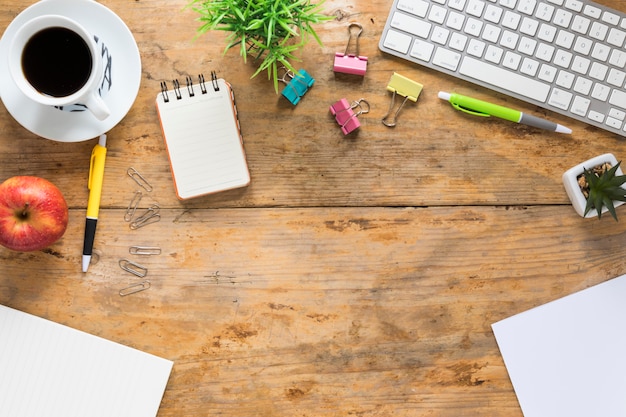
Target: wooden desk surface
{"x": 354, "y": 276}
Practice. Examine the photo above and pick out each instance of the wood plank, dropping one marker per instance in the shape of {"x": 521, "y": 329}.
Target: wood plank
{"x": 331, "y": 311}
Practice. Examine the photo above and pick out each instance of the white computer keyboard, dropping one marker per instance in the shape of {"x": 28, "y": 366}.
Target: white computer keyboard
{"x": 567, "y": 56}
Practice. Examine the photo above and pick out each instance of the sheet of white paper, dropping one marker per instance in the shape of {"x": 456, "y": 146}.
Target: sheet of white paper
{"x": 47, "y": 369}
{"x": 568, "y": 357}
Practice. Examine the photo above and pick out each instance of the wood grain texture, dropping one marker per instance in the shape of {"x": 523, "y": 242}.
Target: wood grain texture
{"x": 356, "y": 275}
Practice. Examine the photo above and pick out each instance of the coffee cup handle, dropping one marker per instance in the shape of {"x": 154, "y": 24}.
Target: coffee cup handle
{"x": 96, "y": 105}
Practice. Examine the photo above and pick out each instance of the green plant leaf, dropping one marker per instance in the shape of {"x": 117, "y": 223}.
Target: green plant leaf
{"x": 270, "y": 31}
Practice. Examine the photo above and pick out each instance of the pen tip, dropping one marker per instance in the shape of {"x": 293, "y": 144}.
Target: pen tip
{"x": 86, "y": 261}
{"x": 444, "y": 96}
{"x": 563, "y": 129}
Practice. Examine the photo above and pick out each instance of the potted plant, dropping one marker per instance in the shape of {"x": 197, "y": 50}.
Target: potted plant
{"x": 596, "y": 186}
{"x": 269, "y": 31}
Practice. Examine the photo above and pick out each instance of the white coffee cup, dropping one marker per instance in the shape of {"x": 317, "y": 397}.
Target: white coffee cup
{"x": 54, "y": 61}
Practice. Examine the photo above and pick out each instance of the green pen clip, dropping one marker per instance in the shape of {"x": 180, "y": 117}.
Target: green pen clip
{"x": 469, "y": 111}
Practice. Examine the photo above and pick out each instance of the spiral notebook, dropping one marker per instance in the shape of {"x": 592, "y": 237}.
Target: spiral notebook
{"x": 203, "y": 137}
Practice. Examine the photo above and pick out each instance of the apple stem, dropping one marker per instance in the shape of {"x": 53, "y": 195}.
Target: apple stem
{"x": 25, "y": 211}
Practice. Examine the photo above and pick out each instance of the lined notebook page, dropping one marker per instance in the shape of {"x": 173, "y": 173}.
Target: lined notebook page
{"x": 51, "y": 370}
{"x": 203, "y": 140}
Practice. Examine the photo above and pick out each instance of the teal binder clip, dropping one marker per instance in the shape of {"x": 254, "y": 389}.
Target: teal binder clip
{"x": 297, "y": 85}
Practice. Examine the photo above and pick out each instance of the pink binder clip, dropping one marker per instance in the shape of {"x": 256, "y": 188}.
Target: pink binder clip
{"x": 351, "y": 63}
{"x": 345, "y": 115}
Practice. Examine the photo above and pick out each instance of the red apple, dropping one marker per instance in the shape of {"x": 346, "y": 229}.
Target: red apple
{"x": 33, "y": 213}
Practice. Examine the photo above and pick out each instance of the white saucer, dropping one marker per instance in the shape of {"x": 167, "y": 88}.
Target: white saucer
{"x": 67, "y": 126}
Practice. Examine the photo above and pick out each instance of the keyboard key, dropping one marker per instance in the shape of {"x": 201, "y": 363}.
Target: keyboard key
{"x": 614, "y": 123}
{"x": 440, "y": 35}
{"x": 592, "y": 11}
{"x": 529, "y": 67}
{"x": 580, "y": 24}
{"x": 509, "y": 39}
{"x": 422, "y": 50}
{"x": 574, "y": 5}
{"x": 511, "y": 20}
{"x": 598, "y": 71}
{"x": 546, "y": 33}
{"x": 455, "y": 21}
{"x": 510, "y": 4}
{"x": 598, "y": 31}
{"x": 565, "y": 79}
{"x": 596, "y": 116}
{"x": 610, "y": 18}
{"x": 473, "y": 26}
{"x": 580, "y": 106}
{"x": 437, "y": 14}
{"x": 545, "y": 52}
{"x": 494, "y": 54}
{"x": 560, "y": 99}
{"x": 475, "y": 8}
{"x": 618, "y": 98}
{"x": 547, "y": 73}
{"x": 411, "y": 25}
{"x": 457, "y": 4}
{"x": 583, "y": 85}
{"x": 491, "y": 74}
{"x": 616, "y": 37}
{"x": 476, "y": 48}
{"x": 397, "y": 41}
{"x": 600, "y": 92}
{"x": 529, "y": 26}
{"x": 565, "y": 39}
{"x": 446, "y": 59}
{"x": 511, "y": 60}
{"x": 616, "y": 77}
{"x": 562, "y": 18}
{"x": 545, "y": 12}
{"x": 600, "y": 52}
{"x": 617, "y": 114}
{"x": 416, "y": 7}
{"x": 493, "y": 14}
{"x": 458, "y": 41}
{"x": 527, "y": 7}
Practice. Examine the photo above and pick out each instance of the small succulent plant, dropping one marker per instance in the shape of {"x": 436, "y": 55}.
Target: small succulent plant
{"x": 602, "y": 187}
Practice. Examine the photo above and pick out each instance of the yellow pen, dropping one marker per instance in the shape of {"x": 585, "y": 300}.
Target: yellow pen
{"x": 96, "y": 175}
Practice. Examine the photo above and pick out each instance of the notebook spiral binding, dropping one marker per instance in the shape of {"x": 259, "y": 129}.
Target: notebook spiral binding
{"x": 190, "y": 87}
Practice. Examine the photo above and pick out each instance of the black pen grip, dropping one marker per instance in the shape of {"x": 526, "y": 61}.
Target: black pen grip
{"x": 90, "y": 234}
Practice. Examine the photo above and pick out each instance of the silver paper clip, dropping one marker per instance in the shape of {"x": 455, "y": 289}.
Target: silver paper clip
{"x": 133, "y": 267}
{"x": 139, "y": 179}
{"x": 132, "y": 289}
{"x": 151, "y": 215}
{"x": 144, "y": 250}
{"x": 132, "y": 206}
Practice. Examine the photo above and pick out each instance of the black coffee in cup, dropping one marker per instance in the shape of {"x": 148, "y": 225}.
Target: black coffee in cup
{"x": 56, "y": 61}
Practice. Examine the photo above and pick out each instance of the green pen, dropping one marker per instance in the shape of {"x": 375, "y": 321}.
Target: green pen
{"x": 486, "y": 109}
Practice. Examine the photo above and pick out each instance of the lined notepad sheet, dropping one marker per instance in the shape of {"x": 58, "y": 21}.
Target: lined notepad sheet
{"x": 567, "y": 358}
{"x": 203, "y": 139}
{"x": 51, "y": 370}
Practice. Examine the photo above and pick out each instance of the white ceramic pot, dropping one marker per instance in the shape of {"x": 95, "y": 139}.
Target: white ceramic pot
{"x": 570, "y": 181}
